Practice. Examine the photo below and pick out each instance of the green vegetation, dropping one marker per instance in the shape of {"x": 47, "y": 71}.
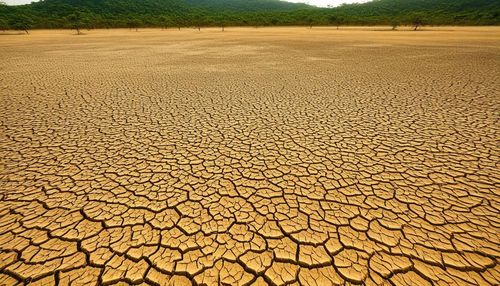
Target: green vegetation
{"x": 134, "y": 14}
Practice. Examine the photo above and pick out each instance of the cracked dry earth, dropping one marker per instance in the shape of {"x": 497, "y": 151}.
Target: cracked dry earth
{"x": 279, "y": 156}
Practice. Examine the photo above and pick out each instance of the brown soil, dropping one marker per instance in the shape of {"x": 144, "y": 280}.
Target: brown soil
{"x": 250, "y": 157}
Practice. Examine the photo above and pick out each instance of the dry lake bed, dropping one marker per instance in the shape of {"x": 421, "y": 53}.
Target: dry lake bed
{"x": 254, "y": 156}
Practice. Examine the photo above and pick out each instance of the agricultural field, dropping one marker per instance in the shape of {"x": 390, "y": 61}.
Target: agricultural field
{"x": 253, "y": 156}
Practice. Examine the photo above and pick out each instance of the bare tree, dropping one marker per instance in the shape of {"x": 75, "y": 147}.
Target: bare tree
{"x": 21, "y": 23}
{"x": 394, "y": 25}
{"x": 335, "y": 20}
{"x": 134, "y": 23}
{"x": 179, "y": 23}
{"x": 310, "y": 22}
{"x": 3, "y": 25}
{"x": 200, "y": 21}
{"x": 164, "y": 22}
{"x": 76, "y": 22}
{"x": 222, "y": 22}
{"x": 417, "y": 22}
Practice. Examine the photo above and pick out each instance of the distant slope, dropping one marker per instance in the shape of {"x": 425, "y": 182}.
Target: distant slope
{"x": 112, "y": 6}
{"x": 439, "y": 12}
{"x": 154, "y": 13}
{"x": 247, "y": 5}
{"x": 443, "y": 10}
{"x": 403, "y": 6}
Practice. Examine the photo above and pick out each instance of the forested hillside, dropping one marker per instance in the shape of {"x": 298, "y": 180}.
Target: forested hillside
{"x": 199, "y": 13}
{"x": 247, "y": 5}
{"x": 460, "y": 12}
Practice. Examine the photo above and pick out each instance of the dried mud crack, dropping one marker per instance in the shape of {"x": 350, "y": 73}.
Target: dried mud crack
{"x": 250, "y": 157}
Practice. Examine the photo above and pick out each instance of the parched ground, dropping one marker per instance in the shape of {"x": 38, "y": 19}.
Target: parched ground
{"x": 250, "y": 157}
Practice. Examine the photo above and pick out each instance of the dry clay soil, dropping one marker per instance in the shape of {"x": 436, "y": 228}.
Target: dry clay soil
{"x": 269, "y": 156}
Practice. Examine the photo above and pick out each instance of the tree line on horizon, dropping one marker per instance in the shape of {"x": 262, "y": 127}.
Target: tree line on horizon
{"x": 90, "y": 14}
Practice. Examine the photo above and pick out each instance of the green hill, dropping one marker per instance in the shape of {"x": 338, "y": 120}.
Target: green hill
{"x": 457, "y": 12}
{"x": 247, "y": 5}
{"x": 155, "y": 13}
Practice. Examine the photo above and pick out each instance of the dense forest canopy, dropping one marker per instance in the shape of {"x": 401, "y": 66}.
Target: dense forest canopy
{"x": 89, "y": 14}
{"x": 247, "y": 5}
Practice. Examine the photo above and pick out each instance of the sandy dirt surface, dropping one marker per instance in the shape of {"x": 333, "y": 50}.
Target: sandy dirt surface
{"x": 270, "y": 156}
